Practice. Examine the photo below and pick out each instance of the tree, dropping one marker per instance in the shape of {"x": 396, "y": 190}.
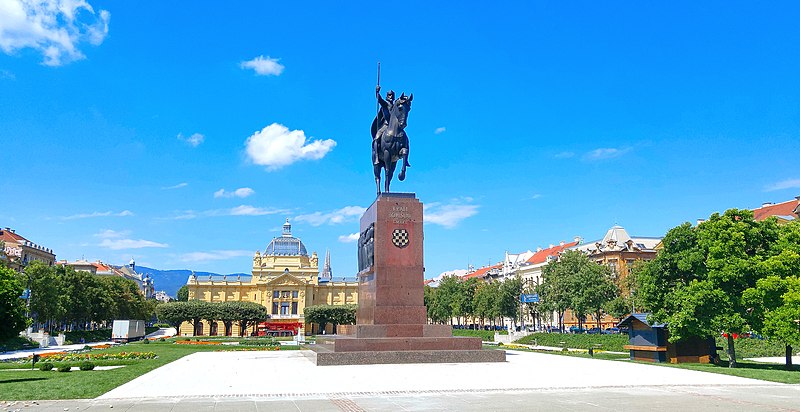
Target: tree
{"x": 12, "y": 308}
{"x": 594, "y": 289}
{"x": 485, "y": 301}
{"x": 447, "y": 295}
{"x": 183, "y": 293}
{"x": 245, "y": 314}
{"x": 429, "y": 297}
{"x": 333, "y": 314}
{"x": 47, "y": 301}
{"x": 558, "y": 284}
{"x": 173, "y": 313}
{"x": 508, "y": 299}
{"x": 464, "y": 303}
{"x": 696, "y": 282}
{"x": 783, "y": 322}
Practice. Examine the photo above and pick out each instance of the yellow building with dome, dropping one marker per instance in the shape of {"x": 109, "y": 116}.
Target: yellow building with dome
{"x": 285, "y": 279}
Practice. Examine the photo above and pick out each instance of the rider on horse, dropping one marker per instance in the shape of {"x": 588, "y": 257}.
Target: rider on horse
{"x": 383, "y": 122}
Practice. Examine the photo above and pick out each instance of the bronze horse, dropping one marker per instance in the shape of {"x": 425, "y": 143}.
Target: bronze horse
{"x": 392, "y": 142}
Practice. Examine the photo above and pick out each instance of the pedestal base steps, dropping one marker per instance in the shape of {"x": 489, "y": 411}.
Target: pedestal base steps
{"x": 322, "y": 355}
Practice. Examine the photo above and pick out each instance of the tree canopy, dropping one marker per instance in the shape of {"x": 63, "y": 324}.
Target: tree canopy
{"x": 333, "y": 314}
{"x": 697, "y": 281}
{"x": 12, "y": 308}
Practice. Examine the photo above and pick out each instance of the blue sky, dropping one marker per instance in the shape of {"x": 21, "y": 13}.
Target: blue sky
{"x": 184, "y": 133}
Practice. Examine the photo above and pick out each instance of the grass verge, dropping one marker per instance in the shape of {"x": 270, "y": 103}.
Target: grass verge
{"x": 745, "y": 369}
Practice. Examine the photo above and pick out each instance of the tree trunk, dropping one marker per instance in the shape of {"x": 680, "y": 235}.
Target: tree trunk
{"x": 789, "y": 357}
{"x": 731, "y": 352}
{"x": 599, "y": 324}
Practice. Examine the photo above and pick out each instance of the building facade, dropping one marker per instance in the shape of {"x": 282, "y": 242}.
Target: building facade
{"x": 285, "y": 279}
{"x": 21, "y": 252}
{"x": 785, "y": 212}
{"x": 143, "y": 282}
{"x": 619, "y": 251}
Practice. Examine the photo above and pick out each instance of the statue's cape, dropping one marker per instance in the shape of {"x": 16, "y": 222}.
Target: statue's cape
{"x": 376, "y": 124}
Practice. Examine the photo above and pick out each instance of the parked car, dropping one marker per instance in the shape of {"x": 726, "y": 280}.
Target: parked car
{"x": 594, "y": 331}
{"x": 575, "y": 329}
{"x": 611, "y": 331}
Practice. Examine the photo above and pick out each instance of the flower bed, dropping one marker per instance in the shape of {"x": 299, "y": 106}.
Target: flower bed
{"x": 202, "y": 342}
{"x": 73, "y": 357}
{"x": 251, "y": 348}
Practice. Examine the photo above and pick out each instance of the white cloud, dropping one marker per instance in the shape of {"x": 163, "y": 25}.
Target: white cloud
{"x": 242, "y": 210}
{"x": 605, "y": 153}
{"x": 193, "y": 140}
{"x": 783, "y": 184}
{"x": 275, "y": 147}
{"x": 240, "y": 192}
{"x": 448, "y": 215}
{"x": 115, "y": 240}
{"x": 178, "y": 186}
{"x": 246, "y": 210}
{"x": 123, "y": 213}
{"x": 440, "y": 130}
{"x": 345, "y": 214}
{"x": 264, "y": 66}
{"x": 55, "y": 28}
{"x": 213, "y": 255}
{"x": 564, "y": 155}
{"x": 536, "y": 196}
{"x": 120, "y": 244}
{"x": 7, "y": 75}
{"x": 111, "y": 234}
{"x": 351, "y": 238}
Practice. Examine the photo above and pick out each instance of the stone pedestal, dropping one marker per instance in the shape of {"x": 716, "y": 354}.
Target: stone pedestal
{"x": 391, "y": 322}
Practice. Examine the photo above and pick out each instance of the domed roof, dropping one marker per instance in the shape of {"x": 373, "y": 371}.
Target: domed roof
{"x": 286, "y": 245}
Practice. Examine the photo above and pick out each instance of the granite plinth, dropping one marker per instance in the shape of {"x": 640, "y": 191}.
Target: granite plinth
{"x": 322, "y": 356}
{"x": 360, "y": 344}
{"x": 395, "y": 330}
{"x": 391, "y": 321}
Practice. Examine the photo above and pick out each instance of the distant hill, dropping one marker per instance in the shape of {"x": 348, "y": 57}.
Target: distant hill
{"x": 172, "y": 280}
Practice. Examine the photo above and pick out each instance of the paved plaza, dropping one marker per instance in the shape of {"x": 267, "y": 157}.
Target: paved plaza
{"x": 261, "y": 381}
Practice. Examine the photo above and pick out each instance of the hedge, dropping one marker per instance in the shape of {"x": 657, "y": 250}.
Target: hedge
{"x": 485, "y": 335}
{"x": 613, "y": 343}
{"x": 99, "y": 335}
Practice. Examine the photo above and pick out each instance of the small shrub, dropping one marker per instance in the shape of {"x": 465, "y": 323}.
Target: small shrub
{"x": 87, "y": 347}
{"x": 146, "y": 341}
{"x": 45, "y": 366}
{"x": 87, "y": 366}
{"x": 64, "y": 368}
{"x": 162, "y": 340}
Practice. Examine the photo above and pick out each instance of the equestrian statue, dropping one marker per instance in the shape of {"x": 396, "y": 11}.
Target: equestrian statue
{"x": 389, "y": 138}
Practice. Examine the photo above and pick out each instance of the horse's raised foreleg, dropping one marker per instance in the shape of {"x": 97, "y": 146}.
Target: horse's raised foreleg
{"x": 377, "y": 169}
{"x": 388, "y": 166}
{"x": 402, "y": 175}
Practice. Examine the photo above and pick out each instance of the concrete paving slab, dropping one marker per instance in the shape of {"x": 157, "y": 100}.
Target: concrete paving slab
{"x": 644, "y": 398}
{"x": 291, "y": 374}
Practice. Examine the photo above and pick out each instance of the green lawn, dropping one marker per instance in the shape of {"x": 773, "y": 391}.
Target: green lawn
{"x": 28, "y": 385}
{"x": 746, "y": 369}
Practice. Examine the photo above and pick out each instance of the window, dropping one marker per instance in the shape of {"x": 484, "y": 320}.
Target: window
{"x": 295, "y": 294}
{"x": 294, "y": 308}
{"x": 285, "y": 294}
{"x": 284, "y": 308}
{"x": 274, "y": 308}
{"x": 276, "y": 294}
